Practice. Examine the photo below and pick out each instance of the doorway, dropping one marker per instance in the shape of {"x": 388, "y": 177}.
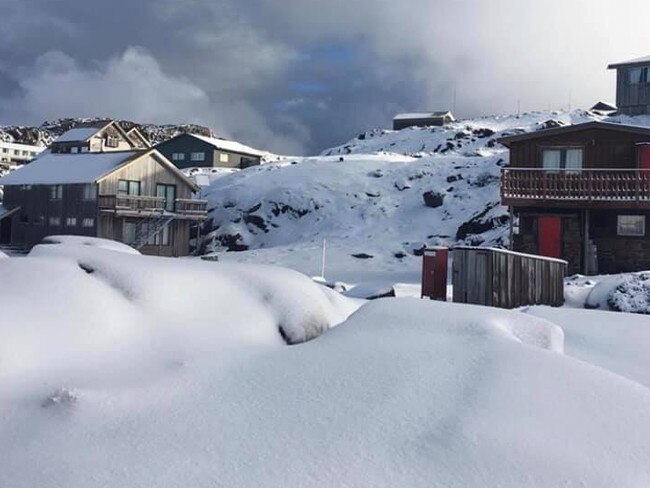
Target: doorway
{"x": 549, "y": 234}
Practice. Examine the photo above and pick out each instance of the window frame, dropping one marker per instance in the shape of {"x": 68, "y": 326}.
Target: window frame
{"x": 54, "y": 221}
{"x": 563, "y": 158}
{"x": 644, "y": 75}
{"x": 129, "y": 183}
{"x": 88, "y": 222}
{"x": 71, "y": 222}
{"x": 178, "y": 156}
{"x": 89, "y": 192}
{"x": 56, "y": 192}
{"x": 198, "y": 157}
{"x": 620, "y": 233}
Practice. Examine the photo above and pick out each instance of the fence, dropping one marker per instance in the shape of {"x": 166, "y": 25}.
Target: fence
{"x": 506, "y": 279}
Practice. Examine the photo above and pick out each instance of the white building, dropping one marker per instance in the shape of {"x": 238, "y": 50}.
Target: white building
{"x": 12, "y": 153}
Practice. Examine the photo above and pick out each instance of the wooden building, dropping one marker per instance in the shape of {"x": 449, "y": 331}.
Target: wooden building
{"x": 581, "y": 193}
{"x": 99, "y": 136}
{"x": 633, "y": 86}
{"x": 136, "y": 197}
{"x": 197, "y": 151}
{"x": 426, "y": 119}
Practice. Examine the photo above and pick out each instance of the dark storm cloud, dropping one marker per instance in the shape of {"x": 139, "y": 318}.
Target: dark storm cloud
{"x": 301, "y": 75}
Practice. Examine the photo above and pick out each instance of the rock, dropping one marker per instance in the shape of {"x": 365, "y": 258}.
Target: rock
{"x": 433, "y": 199}
{"x": 362, "y": 255}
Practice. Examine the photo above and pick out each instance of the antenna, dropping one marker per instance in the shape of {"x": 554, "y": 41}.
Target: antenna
{"x": 518, "y": 107}
{"x": 453, "y": 104}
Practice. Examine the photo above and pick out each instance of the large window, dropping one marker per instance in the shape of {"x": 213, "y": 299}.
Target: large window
{"x": 128, "y": 187}
{"x": 197, "y": 156}
{"x": 90, "y": 191}
{"x": 631, "y": 225}
{"x": 168, "y": 192}
{"x": 56, "y": 192}
{"x": 636, "y": 76}
{"x": 555, "y": 159}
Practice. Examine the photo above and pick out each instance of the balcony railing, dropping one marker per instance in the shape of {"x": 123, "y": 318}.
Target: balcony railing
{"x": 571, "y": 187}
{"x": 137, "y": 205}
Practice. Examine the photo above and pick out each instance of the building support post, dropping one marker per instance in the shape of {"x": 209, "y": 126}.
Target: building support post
{"x": 586, "y": 252}
{"x": 512, "y": 228}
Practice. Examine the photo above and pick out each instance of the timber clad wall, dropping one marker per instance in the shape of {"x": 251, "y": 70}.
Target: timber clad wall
{"x": 602, "y": 149}
{"x": 33, "y": 221}
{"x": 631, "y": 99}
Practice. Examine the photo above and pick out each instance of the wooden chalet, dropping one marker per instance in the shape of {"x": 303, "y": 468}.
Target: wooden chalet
{"x": 99, "y": 136}
{"x": 581, "y": 193}
{"x": 136, "y": 197}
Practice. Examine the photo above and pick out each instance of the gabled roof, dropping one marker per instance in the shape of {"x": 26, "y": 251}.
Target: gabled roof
{"x": 423, "y": 115}
{"x": 631, "y": 62}
{"x": 135, "y": 132}
{"x": 540, "y": 134}
{"x": 604, "y": 107}
{"x": 84, "y": 131}
{"x": 66, "y": 169}
{"x": 225, "y": 145}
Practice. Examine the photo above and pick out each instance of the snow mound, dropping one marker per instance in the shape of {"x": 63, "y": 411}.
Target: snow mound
{"x": 61, "y": 245}
{"x": 404, "y": 393}
{"x": 631, "y": 294}
{"x": 3, "y": 255}
{"x": 89, "y": 301}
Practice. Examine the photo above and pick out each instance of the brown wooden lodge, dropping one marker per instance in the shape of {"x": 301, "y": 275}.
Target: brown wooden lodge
{"x": 103, "y": 182}
{"x": 581, "y": 193}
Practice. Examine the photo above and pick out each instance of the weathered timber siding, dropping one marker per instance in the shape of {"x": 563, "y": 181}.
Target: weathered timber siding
{"x": 149, "y": 172}
{"x": 497, "y": 278}
{"x": 631, "y": 99}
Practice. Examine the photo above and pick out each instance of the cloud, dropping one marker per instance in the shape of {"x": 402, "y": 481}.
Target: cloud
{"x": 301, "y": 75}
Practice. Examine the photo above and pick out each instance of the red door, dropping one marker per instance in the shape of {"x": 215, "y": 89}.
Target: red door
{"x": 550, "y": 237}
{"x": 644, "y": 157}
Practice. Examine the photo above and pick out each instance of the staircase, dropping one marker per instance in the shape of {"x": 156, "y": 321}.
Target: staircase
{"x": 149, "y": 228}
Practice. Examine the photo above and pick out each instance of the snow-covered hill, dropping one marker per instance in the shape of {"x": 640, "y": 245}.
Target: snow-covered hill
{"x": 377, "y": 200}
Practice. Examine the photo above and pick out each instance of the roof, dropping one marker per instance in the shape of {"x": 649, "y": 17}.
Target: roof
{"x": 423, "y": 115}
{"x": 540, "y": 134}
{"x": 83, "y": 132}
{"x": 58, "y": 169}
{"x": 604, "y": 107}
{"x": 227, "y": 145}
{"x": 642, "y": 60}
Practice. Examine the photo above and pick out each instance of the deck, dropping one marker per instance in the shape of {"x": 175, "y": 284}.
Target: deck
{"x": 145, "y": 206}
{"x": 585, "y": 188}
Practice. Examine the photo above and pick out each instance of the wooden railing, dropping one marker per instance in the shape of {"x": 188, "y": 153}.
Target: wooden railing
{"x": 138, "y": 204}
{"x": 586, "y": 185}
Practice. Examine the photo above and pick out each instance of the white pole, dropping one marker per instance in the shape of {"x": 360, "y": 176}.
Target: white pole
{"x": 322, "y": 264}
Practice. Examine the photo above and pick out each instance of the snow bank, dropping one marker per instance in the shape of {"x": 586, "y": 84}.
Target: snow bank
{"x": 3, "y": 255}
{"x": 62, "y": 244}
{"x": 625, "y": 292}
{"x": 78, "y": 301}
{"x": 405, "y": 393}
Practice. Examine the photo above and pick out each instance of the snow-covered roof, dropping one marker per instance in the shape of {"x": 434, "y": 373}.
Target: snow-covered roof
{"x": 421, "y": 115}
{"x": 78, "y": 134}
{"x": 59, "y": 169}
{"x": 227, "y": 145}
{"x": 641, "y": 60}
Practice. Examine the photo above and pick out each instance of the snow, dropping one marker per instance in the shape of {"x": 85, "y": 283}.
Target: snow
{"x": 78, "y": 134}
{"x": 643, "y": 59}
{"x": 228, "y": 145}
{"x": 62, "y": 245}
{"x": 3, "y": 255}
{"x": 404, "y": 393}
{"x": 55, "y": 169}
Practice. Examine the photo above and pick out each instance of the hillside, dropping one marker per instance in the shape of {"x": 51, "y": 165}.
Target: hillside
{"x": 378, "y": 199}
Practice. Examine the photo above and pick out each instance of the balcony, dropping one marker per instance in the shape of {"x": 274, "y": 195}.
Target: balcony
{"x": 145, "y": 206}
{"x": 586, "y": 188}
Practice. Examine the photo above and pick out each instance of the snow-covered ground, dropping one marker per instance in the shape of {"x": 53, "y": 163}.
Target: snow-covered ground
{"x": 124, "y": 370}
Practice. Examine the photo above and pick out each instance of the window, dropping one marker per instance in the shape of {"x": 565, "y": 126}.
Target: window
{"x": 631, "y": 225}
{"x": 128, "y": 232}
{"x": 40, "y": 220}
{"x": 128, "y": 187}
{"x": 112, "y": 141}
{"x": 197, "y": 156}
{"x": 223, "y": 157}
{"x": 88, "y": 222}
{"x": 178, "y": 156}
{"x": 25, "y": 187}
{"x": 56, "y": 192}
{"x": 74, "y": 150}
{"x": 71, "y": 222}
{"x": 636, "y": 76}
{"x": 168, "y": 192}
{"x": 85, "y": 149}
{"x": 55, "y": 221}
{"x": 562, "y": 158}
{"x": 90, "y": 191}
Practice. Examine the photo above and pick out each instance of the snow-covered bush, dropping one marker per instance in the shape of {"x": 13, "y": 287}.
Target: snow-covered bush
{"x": 632, "y": 294}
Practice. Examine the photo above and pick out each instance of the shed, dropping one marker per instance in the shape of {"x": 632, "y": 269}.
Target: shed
{"x": 422, "y": 119}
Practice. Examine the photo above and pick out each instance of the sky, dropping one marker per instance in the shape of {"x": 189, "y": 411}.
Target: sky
{"x": 299, "y": 76}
